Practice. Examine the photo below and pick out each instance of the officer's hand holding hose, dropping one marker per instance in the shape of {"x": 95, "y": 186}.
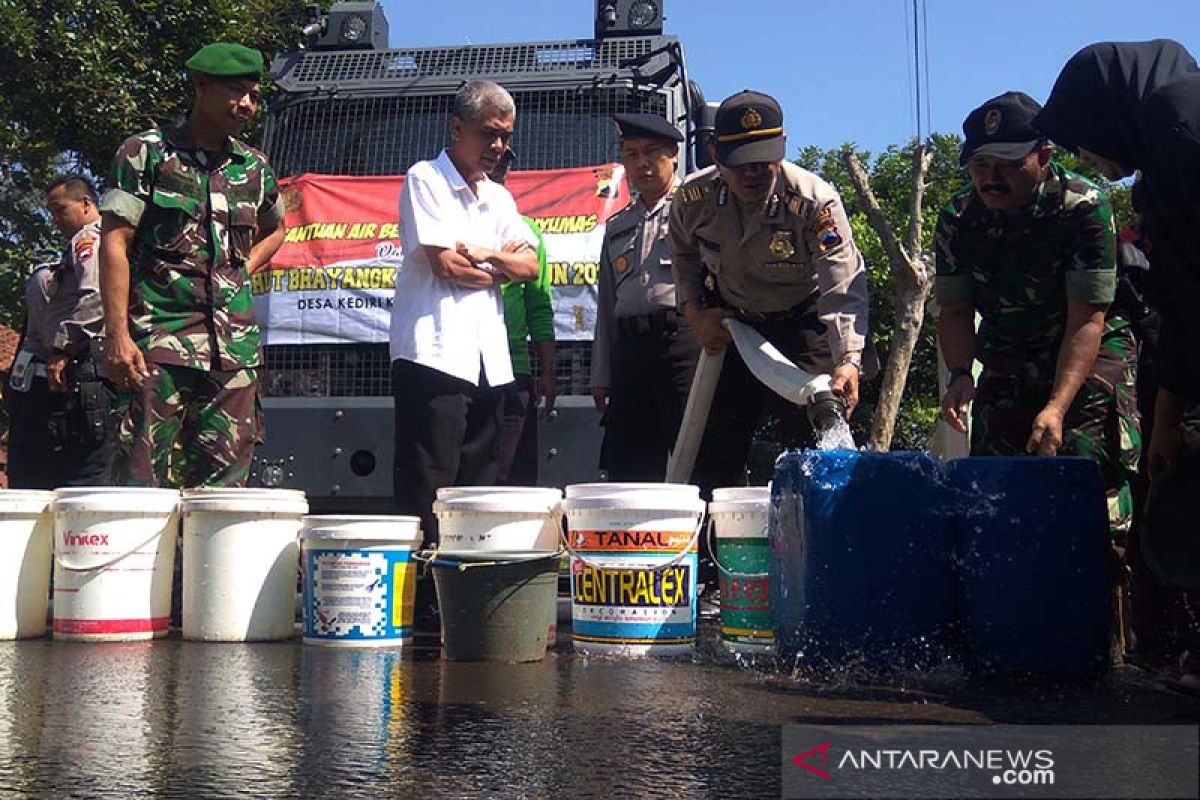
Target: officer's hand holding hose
{"x": 123, "y": 361}
{"x": 845, "y": 386}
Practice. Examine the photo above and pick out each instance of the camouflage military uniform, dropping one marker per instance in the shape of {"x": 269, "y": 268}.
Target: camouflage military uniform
{"x": 1018, "y": 271}
{"x": 191, "y": 311}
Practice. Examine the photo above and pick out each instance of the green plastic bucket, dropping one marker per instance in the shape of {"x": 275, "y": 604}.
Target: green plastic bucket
{"x": 738, "y": 517}
{"x": 495, "y": 606}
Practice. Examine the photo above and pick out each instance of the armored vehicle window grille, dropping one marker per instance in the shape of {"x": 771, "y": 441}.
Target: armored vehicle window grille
{"x": 364, "y": 370}
{"x": 325, "y": 68}
{"x": 381, "y": 135}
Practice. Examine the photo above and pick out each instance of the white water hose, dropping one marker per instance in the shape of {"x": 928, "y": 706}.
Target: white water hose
{"x": 765, "y": 362}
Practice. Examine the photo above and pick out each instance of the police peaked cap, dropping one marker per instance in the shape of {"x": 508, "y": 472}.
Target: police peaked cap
{"x": 650, "y": 126}
{"x": 748, "y": 129}
{"x": 226, "y": 60}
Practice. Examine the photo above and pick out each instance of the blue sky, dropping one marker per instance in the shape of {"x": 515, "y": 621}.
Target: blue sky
{"x": 840, "y": 68}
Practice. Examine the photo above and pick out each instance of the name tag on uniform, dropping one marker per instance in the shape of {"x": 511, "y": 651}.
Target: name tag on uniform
{"x": 21, "y": 377}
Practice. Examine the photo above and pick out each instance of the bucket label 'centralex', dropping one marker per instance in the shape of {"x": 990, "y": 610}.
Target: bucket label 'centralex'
{"x": 634, "y": 588}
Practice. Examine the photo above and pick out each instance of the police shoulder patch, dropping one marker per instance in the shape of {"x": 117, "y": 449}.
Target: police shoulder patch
{"x": 84, "y": 247}
{"x": 827, "y": 234}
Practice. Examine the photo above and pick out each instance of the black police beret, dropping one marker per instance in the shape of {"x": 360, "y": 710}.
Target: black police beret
{"x": 646, "y": 125}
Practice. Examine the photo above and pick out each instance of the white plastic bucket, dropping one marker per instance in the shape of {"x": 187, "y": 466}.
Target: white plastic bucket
{"x": 26, "y": 533}
{"x": 498, "y": 519}
{"x": 241, "y": 553}
{"x": 738, "y": 516}
{"x": 359, "y": 580}
{"x": 634, "y": 559}
{"x": 114, "y": 553}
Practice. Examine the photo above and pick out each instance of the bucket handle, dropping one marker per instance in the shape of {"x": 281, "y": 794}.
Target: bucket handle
{"x": 712, "y": 551}
{"x": 564, "y": 539}
{"x": 104, "y": 564}
{"x": 433, "y": 559}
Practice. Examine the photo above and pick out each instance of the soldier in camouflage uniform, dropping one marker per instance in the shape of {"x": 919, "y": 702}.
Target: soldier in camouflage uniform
{"x": 189, "y": 213}
{"x": 1030, "y": 247}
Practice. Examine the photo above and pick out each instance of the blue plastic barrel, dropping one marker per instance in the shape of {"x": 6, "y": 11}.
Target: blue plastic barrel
{"x": 1035, "y": 569}
{"x": 861, "y": 559}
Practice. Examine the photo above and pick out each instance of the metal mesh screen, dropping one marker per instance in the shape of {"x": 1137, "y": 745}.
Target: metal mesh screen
{"x": 384, "y": 67}
{"x": 364, "y": 370}
{"x": 555, "y": 128}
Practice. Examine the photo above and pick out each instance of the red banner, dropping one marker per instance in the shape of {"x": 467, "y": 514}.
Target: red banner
{"x": 333, "y": 279}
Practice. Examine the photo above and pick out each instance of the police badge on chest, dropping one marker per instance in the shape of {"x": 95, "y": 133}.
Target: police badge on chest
{"x": 782, "y": 245}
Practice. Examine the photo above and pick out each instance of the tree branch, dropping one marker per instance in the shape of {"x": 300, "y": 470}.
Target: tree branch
{"x": 875, "y": 217}
{"x": 922, "y": 159}
{"x": 910, "y": 287}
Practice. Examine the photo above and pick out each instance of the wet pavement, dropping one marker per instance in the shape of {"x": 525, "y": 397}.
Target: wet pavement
{"x": 184, "y": 719}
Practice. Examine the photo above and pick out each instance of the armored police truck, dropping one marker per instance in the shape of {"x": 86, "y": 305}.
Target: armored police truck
{"x": 348, "y": 105}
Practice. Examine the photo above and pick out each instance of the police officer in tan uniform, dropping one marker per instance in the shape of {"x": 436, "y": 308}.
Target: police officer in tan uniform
{"x": 763, "y": 240}
{"x": 64, "y": 429}
{"x": 644, "y": 352}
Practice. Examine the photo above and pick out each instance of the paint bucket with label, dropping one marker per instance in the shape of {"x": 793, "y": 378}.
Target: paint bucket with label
{"x": 738, "y": 518}
{"x": 498, "y": 519}
{"x": 114, "y": 551}
{"x": 634, "y": 558}
{"x": 241, "y": 554}
{"x": 495, "y": 606}
{"x": 26, "y": 533}
{"x": 359, "y": 580}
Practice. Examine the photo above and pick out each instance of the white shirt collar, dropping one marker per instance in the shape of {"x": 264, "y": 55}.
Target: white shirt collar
{"x": 456, "y": 180}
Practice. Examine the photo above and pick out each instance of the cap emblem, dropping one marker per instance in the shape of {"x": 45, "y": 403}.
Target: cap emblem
{"x": 991, "y": 121}
{"x": 751, "y": 119}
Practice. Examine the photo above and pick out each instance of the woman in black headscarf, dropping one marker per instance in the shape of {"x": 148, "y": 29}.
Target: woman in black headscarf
{"x": 1126, "y": 106}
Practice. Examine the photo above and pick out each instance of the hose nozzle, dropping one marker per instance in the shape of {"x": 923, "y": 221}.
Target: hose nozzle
{"x": 825, "y": 409}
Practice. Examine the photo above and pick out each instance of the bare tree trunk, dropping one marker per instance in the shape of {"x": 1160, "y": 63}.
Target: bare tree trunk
{"x": 912, "y": 278}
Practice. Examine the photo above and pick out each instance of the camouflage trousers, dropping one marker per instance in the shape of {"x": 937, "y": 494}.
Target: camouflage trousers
{"x": 1102, "y": 422}
{"x": 188, "y": 428}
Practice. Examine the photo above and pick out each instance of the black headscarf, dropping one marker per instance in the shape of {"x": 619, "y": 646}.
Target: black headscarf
{"x": 1097, "y": 102}
{"x": 1171, "y": 120}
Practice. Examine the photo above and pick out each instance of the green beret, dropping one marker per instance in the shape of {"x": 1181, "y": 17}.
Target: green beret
{"x": 225, "y": 59}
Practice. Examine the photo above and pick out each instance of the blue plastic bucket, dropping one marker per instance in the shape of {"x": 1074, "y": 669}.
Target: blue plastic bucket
{"x": 1035, "y": 569}
{"x": 861, "y": 566}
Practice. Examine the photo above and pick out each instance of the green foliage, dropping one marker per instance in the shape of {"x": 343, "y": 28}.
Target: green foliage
{"x": 78, "y": 76}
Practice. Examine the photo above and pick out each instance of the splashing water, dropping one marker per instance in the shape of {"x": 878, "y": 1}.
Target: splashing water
{"x": 836, "y": 437}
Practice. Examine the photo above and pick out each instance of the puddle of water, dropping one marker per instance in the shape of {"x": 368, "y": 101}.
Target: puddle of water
{"x": 183, "y": 719}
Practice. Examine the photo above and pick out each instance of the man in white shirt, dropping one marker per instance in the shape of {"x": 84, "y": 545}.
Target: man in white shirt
{"x": 462, "y": 238}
